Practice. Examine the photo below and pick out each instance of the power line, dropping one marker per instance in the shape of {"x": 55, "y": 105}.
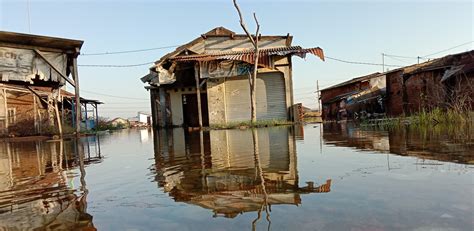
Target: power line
{"x": 114, "y": 96}
{"x": 113, "y": 65}
{"x": 425, "y": 56}
{"x": 392, "y": 57}
{"x": 401, "y": 56}
{"x": 128, "y": 51}
{"x": 362, "y": 63}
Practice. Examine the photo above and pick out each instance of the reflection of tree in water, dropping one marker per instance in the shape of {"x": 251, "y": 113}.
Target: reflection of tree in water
{"x": 230, "y": 171}
{"x": 37, "y": 188}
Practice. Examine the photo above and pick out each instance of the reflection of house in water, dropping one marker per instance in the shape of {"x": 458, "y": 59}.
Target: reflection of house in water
{"x": 347, "y": 135}
{"x": 223, "y": 174}
{"x": 37, "y": 181}
{"x": 452, "y": 145}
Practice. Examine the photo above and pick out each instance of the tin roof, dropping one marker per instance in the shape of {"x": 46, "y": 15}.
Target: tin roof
{"x": 216, "y": 32}
{"x": 354, "y": 80}
{"x": 248, "y": 55}
{"x": 40, "y": 41}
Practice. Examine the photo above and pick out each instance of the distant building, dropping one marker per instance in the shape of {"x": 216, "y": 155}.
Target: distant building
{"x": 218, "y": 64}
{"x": 358, "y": 97}
{"x": 144, "y": 118}
{"x": 120, "y": 122}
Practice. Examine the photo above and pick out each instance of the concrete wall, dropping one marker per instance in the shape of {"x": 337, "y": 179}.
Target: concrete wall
{"x": 216, "y": 100}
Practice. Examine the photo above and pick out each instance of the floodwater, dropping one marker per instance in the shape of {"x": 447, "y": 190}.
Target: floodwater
{"x": 281, "y": 178}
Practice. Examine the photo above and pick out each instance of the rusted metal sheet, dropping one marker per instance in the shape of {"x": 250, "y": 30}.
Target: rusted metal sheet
{"x": 248, "y": 55}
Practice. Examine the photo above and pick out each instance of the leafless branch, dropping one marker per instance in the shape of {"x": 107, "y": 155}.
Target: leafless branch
{"x": 242, "y": 24}
{"x": 258, "y": 28}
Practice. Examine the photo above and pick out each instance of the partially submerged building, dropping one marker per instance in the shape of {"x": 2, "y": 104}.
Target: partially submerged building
{"x": 446, "y": 82}
{"x": 214, "y": 69}
{"x": 359, "y": 97}
{"x": 45, "y": 63}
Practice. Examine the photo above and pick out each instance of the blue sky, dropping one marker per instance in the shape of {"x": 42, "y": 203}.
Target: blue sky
{"x": 349, "y": 30}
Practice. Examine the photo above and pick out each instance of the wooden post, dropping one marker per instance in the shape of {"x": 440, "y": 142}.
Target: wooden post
{"x": 85, "y": 110}
{"x": 78, "y": 97}
{"x": 58, "y": 119}
{"x": 198, "y": 93}
{"x": 35, "y": 111}
{"x": 6, "y": 109}
{"x": 96, "y": 117}
{"x": 62, "y": 109}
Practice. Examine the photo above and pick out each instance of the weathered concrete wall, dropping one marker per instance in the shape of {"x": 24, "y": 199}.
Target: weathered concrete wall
{"x": 216, "y": 100}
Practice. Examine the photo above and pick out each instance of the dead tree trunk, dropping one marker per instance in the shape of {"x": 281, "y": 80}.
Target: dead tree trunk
{"x": 253, "y": 76}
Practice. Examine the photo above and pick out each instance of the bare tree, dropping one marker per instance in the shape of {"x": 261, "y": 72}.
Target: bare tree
{"x": 253, "y": 76}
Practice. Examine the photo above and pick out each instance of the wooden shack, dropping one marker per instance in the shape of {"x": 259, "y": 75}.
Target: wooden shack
{"x": 213, "y": 69}
{"x": 358, "y": 97}
{"x": 33, "y": 70}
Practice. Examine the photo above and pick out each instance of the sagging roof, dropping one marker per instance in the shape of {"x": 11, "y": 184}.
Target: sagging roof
{"x": 354, "y": 80}
{"x": 216, "y": 32}
{"x": 248, "y": 55}
{"x": 40, "y": 41}
{"x": 446, "y": 62}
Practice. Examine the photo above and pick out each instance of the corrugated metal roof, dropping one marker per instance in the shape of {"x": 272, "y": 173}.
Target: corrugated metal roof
{"x": 40, "y": 40}
{"x": 248, "y": 55}
{"x": 354, "y": 80}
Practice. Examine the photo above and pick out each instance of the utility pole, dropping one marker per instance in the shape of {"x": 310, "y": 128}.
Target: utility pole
{"x": 319, "y": 97}
{"x": 383, "y": 62}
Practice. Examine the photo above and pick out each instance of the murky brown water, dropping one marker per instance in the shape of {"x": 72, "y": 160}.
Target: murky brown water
{"x": 283, "y": 178}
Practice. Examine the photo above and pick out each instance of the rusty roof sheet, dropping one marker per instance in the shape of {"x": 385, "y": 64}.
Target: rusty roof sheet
{"x": 247, "y": 55}
{"x": 355, "y": 80}
{"x": 40, "y": 41}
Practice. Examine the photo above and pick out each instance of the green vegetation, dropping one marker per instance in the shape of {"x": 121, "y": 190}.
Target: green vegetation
{"x": 249, "y": 124}
{"x": 435, "y": 117}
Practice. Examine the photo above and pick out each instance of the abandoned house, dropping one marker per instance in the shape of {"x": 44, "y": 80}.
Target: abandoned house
{"x": 214, "y": 69}
{"x": 446, "y": 82}
{"x": 356, "y": 98}
{"x": 34, "y": 71}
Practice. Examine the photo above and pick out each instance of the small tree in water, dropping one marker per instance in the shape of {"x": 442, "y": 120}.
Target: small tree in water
{"x": 253, "y": 75}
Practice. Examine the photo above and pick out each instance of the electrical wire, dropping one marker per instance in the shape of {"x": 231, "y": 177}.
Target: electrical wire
{"x": 113, "y": 65}
{"x": 128, "y": 51}
{"x": 392, "y": 57}
{"x": 115, "y": 96}
{"x": 460, "y": 45}
{"x": 362, "y": 63}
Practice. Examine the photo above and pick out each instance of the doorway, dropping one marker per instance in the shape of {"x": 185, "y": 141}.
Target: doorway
{"x": 190, "y": 110}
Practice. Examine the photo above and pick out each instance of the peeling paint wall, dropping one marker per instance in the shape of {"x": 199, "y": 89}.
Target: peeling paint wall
{"x": 216, "y": 100}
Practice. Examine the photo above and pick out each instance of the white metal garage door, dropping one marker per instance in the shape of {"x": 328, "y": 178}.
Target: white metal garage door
{"x": 271, "y": 102}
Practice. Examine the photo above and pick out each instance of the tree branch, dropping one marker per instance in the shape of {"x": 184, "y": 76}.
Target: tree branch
{"x": 258, "y": 26}
{"x": 242, "y": 24}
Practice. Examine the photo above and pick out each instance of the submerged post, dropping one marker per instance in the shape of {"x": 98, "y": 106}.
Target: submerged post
{"x": 198, "y": 93}
{"x": 78, "y": 97}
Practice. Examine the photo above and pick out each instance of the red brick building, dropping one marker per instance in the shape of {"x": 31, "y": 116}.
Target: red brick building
{"x": 446, "y": 82}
